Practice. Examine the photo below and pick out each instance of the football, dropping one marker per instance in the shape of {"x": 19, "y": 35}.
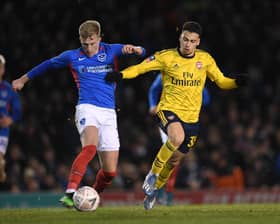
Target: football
{"x": 86, "y": 199}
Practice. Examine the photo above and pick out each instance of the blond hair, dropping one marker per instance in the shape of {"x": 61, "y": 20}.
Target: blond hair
{"x": 89, "y": 28}
{"x": 2, "y": 59}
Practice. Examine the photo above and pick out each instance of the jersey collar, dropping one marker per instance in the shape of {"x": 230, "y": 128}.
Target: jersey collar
{"x": 184, "y": 55}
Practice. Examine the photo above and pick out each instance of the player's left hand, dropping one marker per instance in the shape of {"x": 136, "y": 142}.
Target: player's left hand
{"x": 113, "y": 77}
{"x": 242, "y": 80}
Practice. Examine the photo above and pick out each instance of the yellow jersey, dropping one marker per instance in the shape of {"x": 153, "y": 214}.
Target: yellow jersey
{"x": 183, "y": 80}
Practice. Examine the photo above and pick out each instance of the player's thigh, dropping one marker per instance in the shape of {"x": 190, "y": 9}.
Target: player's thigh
{"x": 108, "y": 145}
{"x": 176, "y": 133}
{"x": 89, "y": 136}
{"x": 108, "y": 160}
{"x": 108, "y": 135}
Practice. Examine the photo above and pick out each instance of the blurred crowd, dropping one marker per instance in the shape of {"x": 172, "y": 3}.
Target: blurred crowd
{"x": 239, "y": 144}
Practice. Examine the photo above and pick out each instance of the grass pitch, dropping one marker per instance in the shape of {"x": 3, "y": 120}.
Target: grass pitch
{"x": 190, "y": 214}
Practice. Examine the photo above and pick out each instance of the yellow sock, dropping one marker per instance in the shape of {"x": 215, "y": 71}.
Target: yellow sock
{"x": 164, "y": 175}
{"x": 162, "y": 157}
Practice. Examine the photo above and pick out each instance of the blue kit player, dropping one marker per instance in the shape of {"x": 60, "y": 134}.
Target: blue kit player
{"x": 95, "y": 111}
{"x": 10, "y": 111}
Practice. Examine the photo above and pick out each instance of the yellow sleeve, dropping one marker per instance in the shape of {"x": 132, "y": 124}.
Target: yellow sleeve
{"x": 226, "y": 83}
{"x": 214, "y": 73}
{"x": 149, "y": 64}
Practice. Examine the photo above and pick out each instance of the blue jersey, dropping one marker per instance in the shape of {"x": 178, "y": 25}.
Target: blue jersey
{"x": 9, "y": 105}
{"x": 88, "y": 72}
{"x": 156, "y": 88}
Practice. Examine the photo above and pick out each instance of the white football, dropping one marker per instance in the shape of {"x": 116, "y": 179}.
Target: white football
{"x": 86, "y": 199}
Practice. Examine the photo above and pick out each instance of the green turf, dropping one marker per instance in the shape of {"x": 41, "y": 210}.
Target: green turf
{"x": 188, "y": 214}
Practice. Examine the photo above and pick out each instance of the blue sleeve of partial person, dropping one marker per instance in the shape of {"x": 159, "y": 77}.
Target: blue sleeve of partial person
{"x": 155, "y": 91}
{"x": 205, "y": 97}
{"x": 16, "y": 106}
{"x": 39, "y": 69}
{"x": 59, "y": 61}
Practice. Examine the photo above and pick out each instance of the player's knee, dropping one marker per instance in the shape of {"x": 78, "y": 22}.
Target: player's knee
{"x": 88, "y": 151}
{"x": 177, "y": 140}
{"x": 89, "y": 148}
{"x": 176, "y": 134}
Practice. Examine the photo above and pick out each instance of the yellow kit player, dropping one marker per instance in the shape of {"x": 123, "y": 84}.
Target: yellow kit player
{"x": 184, "y": 71}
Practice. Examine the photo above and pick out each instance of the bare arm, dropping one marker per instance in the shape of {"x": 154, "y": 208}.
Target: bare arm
{"x": 19, "y": 83}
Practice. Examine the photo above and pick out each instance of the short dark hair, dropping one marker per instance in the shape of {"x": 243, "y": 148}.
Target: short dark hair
{"x": 193, "y": 27}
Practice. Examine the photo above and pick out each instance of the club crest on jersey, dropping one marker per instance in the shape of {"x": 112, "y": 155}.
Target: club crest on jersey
{"x": 82, "y": 121}
{"x": 151, "y": 58}
{"x": 199, "y": 64}
{"x": 101, "y": 57}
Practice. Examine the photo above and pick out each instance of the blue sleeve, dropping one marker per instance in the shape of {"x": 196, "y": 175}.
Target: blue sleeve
{"x": 205, "y": 97}
{"x": 155, "y": 91}
{"x": 16, "y": 106}
{"x": 118, "y": 49}
{"x": 59, "y": 61}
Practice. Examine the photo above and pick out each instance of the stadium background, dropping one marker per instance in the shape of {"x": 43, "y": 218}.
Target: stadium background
{"x": 240, "y": 128}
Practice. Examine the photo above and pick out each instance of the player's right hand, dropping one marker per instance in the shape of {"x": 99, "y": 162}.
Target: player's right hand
{"x": 113, "y": 77}
{"x": 19, "y": 83}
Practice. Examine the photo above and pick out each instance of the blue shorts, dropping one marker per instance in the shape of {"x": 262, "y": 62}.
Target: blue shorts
{"x": 191, "y": 129}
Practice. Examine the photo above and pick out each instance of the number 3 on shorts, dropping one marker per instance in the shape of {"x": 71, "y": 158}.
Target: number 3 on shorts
{"x": 192, "y": 141}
